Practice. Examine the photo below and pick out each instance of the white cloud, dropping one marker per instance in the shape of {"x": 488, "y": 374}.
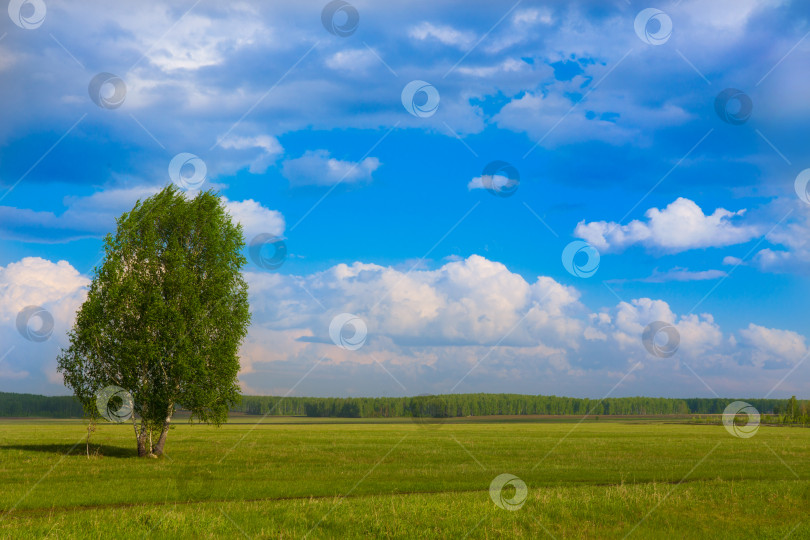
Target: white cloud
{"x": 351, "y": 60}
{"x": 195, "y": 41}
{"x": 270, "y": 148}
{"x": 679, "y": 227}
{"x": 794, "y": 238}
{"x": 623, "y": 326}
{"x": 59, "y": 289}
{"x": 772, "y": 346}
{"x": 444, "y": 34}
{"x": 450, "y": 317}
{"x": 510, "y": 65}
{"x": 683, "y": 274}
{"x": 523, "y": 26}
{"x": 616, "y": 118}
{"x": 472, "y": 302}
{"x": 255, "y": 218}
{"x": 498, "y": 181}
{"x": 439, "y": 323}
{"x": 319, "y": 169}
{"x": 36, "y": 281}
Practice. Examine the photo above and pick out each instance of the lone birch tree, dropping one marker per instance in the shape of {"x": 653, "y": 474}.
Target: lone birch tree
{"x": 165, "y": 315}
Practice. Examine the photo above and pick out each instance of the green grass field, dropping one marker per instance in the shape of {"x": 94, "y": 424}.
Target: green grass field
{"x": 293, "y": 478}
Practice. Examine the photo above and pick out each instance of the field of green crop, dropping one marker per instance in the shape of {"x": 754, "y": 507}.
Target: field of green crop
{"x": 287, "y": 478}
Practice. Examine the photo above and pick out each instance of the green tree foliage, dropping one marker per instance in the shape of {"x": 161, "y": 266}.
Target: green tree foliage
{"x": 165, "y": 315}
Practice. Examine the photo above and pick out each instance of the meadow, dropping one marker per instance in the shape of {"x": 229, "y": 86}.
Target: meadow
{"x": 355, "y": 478}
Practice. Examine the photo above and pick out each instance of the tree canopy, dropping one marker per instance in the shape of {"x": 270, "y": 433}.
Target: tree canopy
{"x": 164, "y": 317}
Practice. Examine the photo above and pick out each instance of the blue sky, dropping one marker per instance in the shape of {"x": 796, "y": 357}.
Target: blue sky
{"x": 610, "y": 121}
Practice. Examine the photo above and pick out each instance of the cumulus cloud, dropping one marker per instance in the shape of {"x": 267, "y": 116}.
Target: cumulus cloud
{"x": 36, "y": 281}
{"x": 619, "y": 329}
{"x": 443, "y": 321}
{"x": 430, "y": 327}
{"x": 680, "y": 226}
{"x": 791, "y": 252}
{"x": 318, "y": 168}
{"x": 771, "y": 347}
{"x": 59, "y": 289}
{"x": 255, "y": 218}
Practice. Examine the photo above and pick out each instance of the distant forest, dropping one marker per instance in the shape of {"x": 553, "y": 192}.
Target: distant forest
{"x": 31, "y": 405}
{"x": 438, "y": 406}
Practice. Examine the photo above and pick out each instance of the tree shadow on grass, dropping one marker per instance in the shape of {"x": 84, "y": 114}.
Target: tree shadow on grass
{"x": 75, "y": 450}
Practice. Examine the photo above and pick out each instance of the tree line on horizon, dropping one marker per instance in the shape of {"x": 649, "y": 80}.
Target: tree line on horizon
{"x": 438, "y": 406}
{"x": 460, "y": 405}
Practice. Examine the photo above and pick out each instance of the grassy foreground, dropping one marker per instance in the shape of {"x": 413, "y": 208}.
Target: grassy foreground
{"x": 280, "y": 479}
